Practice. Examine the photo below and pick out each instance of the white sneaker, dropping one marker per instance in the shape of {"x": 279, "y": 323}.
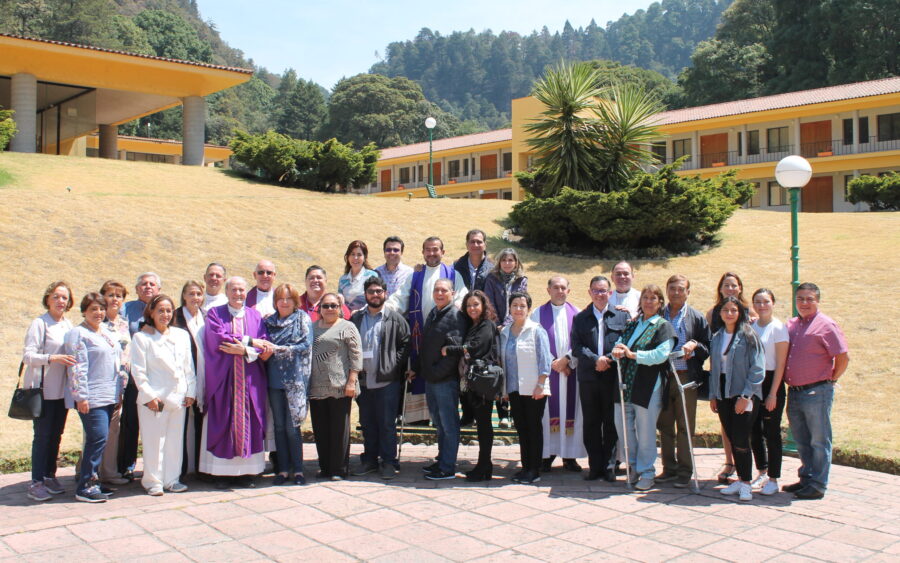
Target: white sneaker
{"x": 760, "y": 481}
{"x": 745, "y": 493}
{"x": 770, "y": 488}
{"x": 155, "y": 491}
{"x": 732, "y": 489}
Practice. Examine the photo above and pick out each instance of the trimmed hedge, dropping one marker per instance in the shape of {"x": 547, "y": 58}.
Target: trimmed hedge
{"x": 881, "y": 193}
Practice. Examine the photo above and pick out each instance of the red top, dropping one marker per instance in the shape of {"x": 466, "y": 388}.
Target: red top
{"x": 313, "y": 311}
{"x": 814, "y": 344}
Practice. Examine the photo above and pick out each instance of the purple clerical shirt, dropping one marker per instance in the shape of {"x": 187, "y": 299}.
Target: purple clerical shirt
{"x": 814, "y": 344}
{"x": 219, "y": 392}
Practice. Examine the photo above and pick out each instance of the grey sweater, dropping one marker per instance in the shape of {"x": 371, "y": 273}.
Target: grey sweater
{"x": 336, "y": 351}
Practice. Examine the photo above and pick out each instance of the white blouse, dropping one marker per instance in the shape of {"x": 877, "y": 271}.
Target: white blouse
{"x": 162, "y": 367}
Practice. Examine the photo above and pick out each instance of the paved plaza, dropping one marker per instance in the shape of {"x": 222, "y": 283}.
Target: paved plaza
{"x": 411, "y": 519}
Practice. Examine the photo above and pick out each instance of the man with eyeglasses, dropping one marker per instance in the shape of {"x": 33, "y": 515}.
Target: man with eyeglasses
{"x": 260, "y": 297}
{"x": 595, "y": 331}
{"x": 817, "y": 358}
{"x": 384, "y": 335}
{"x": 394, "y": 272}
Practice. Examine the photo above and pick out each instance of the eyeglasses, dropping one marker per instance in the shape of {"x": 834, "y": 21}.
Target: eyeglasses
{"x": 265, "y": 272}
{"x": 329, "y": 306}
{"x": 806, "y": 299}
{"x": 371, "y": 291}
{"x": 393, "y": 250}
{"x": 599, "y": 291}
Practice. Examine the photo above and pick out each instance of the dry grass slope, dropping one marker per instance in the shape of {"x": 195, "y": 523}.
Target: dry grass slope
{"x": 122, "y": 218}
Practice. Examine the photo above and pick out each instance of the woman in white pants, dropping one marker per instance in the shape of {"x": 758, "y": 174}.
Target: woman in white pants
{"x": 163, "y": 371}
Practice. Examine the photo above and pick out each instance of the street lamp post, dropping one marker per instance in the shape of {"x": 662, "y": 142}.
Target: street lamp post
{"x": 430, "y": 122}
{"x": 793, "y": 172}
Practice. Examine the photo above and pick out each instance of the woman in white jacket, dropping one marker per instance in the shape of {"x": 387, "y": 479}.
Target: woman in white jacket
{"x": 163, "y": 371}
{"x": 525, "y": 354}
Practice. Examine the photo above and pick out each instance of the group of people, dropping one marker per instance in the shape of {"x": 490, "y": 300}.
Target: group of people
{"x": 230, "y": 372}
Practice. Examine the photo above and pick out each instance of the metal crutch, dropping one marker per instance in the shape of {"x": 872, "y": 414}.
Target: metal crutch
{"x": 402, "y": 416}
{"x": 624, "y": 426}
{"x": 695, "y": 483}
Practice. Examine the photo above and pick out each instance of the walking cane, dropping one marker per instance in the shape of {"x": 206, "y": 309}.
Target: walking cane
{"x": 624, "y": 427}
{"x": 695, "y": 483}
{"x": 402, "y": 416}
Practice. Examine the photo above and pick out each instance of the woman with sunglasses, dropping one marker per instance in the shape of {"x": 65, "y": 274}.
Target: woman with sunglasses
{"x": 333, "y": 382}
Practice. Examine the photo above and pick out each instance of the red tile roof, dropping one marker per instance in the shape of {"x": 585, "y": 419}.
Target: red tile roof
{"x": 792, "y": 99}
{"x": 113, "y": 51}
{"x": 449, "y": 143}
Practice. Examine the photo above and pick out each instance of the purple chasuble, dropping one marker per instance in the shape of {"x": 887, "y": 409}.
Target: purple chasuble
{"x": 417, "y": 318}
{"x": 225, "y": 430}
{"x": 250, "y": 301}
{"x": 547, "y": 319}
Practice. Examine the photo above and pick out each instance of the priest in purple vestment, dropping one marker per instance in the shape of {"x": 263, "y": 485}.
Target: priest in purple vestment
{"x": 562, "y": 422}
{"x": 235, "y": 344}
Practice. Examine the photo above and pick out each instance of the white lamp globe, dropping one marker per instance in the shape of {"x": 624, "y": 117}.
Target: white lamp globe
{"x": 793, "y": 171}
{"x": 430, "y": 122}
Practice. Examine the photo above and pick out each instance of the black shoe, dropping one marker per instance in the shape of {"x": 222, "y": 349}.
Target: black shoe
{"x": 246, "y": 482}
{"x": 530, "y": 478}
{"x": 571, "y": 465}
{"x": 280, "y": 480}
{"x": 128, "y": 475}
{"x": 322, "y": 475}
{"x": 547, "y": 464}
{"x": 466, "y": 421}
{"x": 665, "y": 477}
{"x": 479, "y": 474}
{"x": 299, "y": 479}
{"x": 518, "y": 476}
{"x": 366, "y": 469}
{"x": 92, "y": 495}
{"x": 794, "y": 487}
{"x": 432, "y": 468}
{"x": 222, "y": 484}
{"x": 594, "y": 474}
{"x": 440, "y": 475}
{"x": 809, "y": 493}
{"x": 609, "y": 475}
{"x": 619, "y": 469}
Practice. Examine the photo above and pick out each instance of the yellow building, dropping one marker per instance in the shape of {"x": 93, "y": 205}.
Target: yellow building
{"x": 169, "y": 151}
{"x": 62, "y": 92}
{"x": 843, "y": 131}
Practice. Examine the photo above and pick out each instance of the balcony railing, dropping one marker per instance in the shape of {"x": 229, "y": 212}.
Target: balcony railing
{"x": 816, "y": 149}
{"x": 444, "y": 179}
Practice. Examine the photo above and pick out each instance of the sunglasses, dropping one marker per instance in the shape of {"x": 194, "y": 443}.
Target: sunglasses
{"x": 392, "y": 250}
{"x": 374, "y": 291}
{"x": 329, "y": 306}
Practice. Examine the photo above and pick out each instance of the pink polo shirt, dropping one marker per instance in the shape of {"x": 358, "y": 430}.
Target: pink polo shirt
{"x": 814, "y": 344}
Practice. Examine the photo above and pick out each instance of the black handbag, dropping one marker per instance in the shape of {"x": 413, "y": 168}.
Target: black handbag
{"x": 27, "y": 404}
{"x": 484, "y": 377}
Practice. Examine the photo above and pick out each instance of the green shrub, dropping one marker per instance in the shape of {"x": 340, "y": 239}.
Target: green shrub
{"x": 7, "y": 128}
{"x": 324, "y": 166}
{"x": 655, "y": 214}
{"x": 882, "y": 194}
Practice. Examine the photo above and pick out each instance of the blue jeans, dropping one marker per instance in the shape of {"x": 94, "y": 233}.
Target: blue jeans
{"x": 809, "y": 414}
{"x": 48, "y": 431}
{"x": 641, "y": 425}
{"x": 96, "y": 429}
{"x": 442, "y": 399}
{"x": 378, "y": 418}
{"x": 288, "y": 443}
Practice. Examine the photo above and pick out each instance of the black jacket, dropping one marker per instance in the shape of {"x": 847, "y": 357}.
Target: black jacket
{"x": 180, "y": 321}
{"x": 583, "y": 341}
{"x": 393, "y": 346}
{"x": 462, "y": 268}
{"x": 480, "y": 342}
{"x": 446, "y": 327}
{"x": 697, "y": 329}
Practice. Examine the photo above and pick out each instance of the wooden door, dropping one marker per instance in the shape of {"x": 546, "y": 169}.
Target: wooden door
{"x": 489, "y": 195}
{"x": 713, "y": 150}
{"x": 386, "y": 180}
{"x": 437, "y": 174}
{"x": 818, "y": 195}
{"x": 815, "y": 139}
{"x": 489, "y": 167}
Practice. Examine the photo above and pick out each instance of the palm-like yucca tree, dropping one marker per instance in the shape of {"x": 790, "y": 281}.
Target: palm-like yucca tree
{"x": 564, "y": 137}
{"x": 625, "y": 129}
{"x": 590, "y": 138}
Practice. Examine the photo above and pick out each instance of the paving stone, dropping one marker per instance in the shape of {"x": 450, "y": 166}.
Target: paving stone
{"x": 42, "y": 540}
{"x": 123, "y": 549}
{"x": 369, "y": 545}
{"x": 274, "y": 544}
{"x": 829, "y": 550}
{"x": 200, "y": 534}
{"x": 245, "y": 526}
{"x": 554, "y": 549}
{"x": 381, "y": 519}
{"x": 168, "y": 519}
{"x": 223, "y": 551}
{"x": 462, "y": 548}
{"x": 106, "y": 529}
{"x": 643, "y": 549}
{"x": 318, "y": 553}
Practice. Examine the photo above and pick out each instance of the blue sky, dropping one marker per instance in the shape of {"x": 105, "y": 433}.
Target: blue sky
{"x": 326, "y": 40}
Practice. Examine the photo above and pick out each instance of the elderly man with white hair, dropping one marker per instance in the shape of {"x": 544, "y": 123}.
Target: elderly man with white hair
{"x": 235, "y": 342}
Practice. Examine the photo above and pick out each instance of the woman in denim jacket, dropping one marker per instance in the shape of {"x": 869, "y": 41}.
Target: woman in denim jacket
{"x": 738, "y": 365}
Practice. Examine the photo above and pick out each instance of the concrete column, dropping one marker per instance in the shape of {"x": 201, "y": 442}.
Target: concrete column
{"x": 193, "y": 130}
{"x": 23, "y": 100}
{"x": 744, "y": 144}
{"x": 109, "y": 141}
{"x": 856, "y": 139}
{"x": 695, "y": 150}
{"x": 795, "y": 125}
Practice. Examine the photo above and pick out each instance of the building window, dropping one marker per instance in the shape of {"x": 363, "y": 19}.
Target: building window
{"x": 507, "y": 162}
{"x": 453, "y": 169}
{"x": 756, "y": 199}
{"x": 681, "y": 147}
{"x": 864, "y": 130}
{"x": 777, "y": 195}
{"x": 889, "y": 127}
{"x": 421, "y": 176}
{"x": 658, "y": 149}
{"x": 778, "y": 140}
{"x": 404, "y": 175}
{"x": 752, "y": 143}
{"x": 848, "y": 131}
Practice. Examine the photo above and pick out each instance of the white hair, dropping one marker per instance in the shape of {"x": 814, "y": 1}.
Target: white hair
{"x": 234, "y": 279}
{"x": 154, "y": 275}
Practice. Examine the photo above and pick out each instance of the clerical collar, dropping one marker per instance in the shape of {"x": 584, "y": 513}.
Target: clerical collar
{"x": 599, "y": 312}
{"x": 236, "y": 313}
{"x": 557, "y": 307}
